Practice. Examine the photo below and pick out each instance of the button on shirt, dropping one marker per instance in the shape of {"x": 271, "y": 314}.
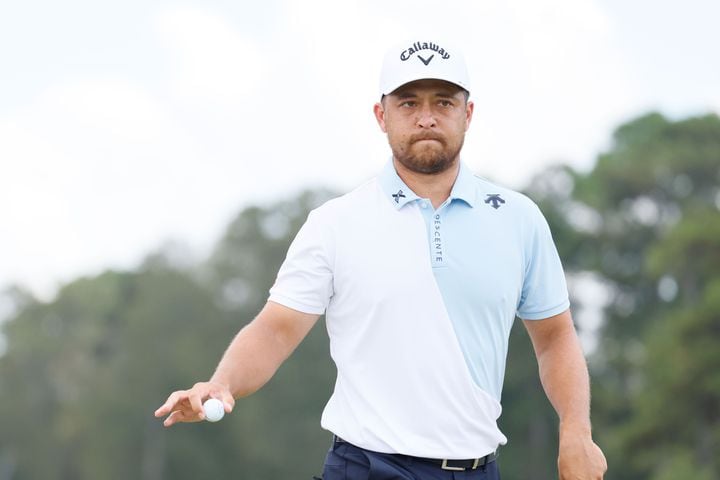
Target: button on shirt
{"x": 419, "y": 303}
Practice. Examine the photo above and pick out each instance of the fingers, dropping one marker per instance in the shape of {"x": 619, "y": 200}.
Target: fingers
{"x": 181, "y": 416}
{"x": 187, "y": 405}
{"x": 192, "y": 398}
{"x": 228, "y": 400}
{"x": 170, "y": 403}
{"x": 195, "y": 399}
{"x": 591, "y": 464}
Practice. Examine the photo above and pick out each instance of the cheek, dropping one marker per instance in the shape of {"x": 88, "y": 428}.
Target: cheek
{"x": 396, "y": 135}
{"x": 396, "y": 141}
{"x": 398, "y": 124}
{"x": 460, "y": 126}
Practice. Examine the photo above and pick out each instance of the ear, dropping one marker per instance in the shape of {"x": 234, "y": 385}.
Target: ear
{"x": 469, "y": 109}
{"x": 379, "y": 112}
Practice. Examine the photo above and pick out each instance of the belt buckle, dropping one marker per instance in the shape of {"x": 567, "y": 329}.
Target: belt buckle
{"x": 445, "y": 466}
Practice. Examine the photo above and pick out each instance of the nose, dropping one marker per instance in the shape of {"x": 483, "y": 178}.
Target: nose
{"x": 426, "y": 119}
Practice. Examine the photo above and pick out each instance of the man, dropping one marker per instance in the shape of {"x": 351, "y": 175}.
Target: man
{"x": 420, "y": 272}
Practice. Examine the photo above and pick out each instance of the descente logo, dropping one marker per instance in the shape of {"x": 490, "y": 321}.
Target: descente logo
{"x": 417, "y": 46}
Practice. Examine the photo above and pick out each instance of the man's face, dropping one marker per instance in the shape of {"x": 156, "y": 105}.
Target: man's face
{"x": 425, "y": 121}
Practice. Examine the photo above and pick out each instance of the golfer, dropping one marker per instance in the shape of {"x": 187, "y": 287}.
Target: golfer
{"x": 420, "y": 272}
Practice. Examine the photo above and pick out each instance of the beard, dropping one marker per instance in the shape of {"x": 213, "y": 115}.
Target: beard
{"x": 430, "y": 157}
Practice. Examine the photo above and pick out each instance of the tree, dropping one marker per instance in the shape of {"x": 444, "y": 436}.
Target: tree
{"x": 645, "y": 219}
{"x": 83, "y": 373}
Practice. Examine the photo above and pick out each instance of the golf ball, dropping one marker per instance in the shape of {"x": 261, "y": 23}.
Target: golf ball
{"x": 214, "y": 410}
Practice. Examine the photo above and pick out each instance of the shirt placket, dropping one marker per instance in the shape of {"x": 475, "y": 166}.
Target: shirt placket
{"x": 434, "y": 221}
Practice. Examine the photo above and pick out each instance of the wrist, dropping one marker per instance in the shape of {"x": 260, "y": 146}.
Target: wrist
{"x": 571, "y": 427}
{"x": 219, "y": 379}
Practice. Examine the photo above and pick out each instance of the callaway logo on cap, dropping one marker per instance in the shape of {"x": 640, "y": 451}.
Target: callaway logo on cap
{"x": 422, "y": 59}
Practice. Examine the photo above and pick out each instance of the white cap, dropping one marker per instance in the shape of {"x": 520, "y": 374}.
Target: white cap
{"x": 423, "y": 59}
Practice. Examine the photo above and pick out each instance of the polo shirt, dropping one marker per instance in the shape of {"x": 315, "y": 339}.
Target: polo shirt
{"x": 419, "y": 303}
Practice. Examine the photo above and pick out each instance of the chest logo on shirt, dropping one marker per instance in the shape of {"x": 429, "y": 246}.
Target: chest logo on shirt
{"x": 398, "y": 195}
{"x": 495, "y": 199}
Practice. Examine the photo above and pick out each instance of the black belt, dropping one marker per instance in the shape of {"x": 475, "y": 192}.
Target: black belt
{"x": 448, "y": 464}
{"x": 461, "y": 465}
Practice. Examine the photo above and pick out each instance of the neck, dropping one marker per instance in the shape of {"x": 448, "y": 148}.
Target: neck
{"x": 435, "y": 186}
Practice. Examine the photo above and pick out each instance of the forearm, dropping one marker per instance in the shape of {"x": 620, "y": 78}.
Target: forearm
{"x": 563, "y": 371}
{"x": 251, "y": 359}
{"x": 258, "y": 350}
{"x": 564, "y": 376}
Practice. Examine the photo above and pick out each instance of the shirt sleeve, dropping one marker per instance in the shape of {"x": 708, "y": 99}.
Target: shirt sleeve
{"x": 544, "y": 291}
{"x": 304, "y": 281}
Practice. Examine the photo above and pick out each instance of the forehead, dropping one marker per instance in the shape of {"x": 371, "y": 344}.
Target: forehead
{"x": 428, "y": 86}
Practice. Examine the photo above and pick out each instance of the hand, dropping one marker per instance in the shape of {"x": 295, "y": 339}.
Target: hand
{"x": 580, "y": 458}
{"x": 186, "y": 405}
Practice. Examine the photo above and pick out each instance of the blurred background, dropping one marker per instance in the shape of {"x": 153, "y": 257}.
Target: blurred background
{"x": 156, "y": 159}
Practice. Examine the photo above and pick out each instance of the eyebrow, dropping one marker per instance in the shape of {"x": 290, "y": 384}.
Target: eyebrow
{"x": 411, "y": 94}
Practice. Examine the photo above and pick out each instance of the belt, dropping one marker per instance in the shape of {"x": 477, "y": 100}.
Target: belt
{"x": 449, "y": 464}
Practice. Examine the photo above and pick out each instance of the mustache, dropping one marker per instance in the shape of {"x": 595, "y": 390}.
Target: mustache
{"x": 426, "y": 136}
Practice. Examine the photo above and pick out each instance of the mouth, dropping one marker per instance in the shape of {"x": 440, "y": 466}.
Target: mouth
{"x": 427, "y": 139}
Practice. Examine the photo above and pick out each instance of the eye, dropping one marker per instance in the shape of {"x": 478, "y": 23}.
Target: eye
{"x": 408, "y": 103}
{"x": 445, "y": 103}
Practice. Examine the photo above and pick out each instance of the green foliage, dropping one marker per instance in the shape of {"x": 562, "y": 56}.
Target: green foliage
{"x": 680, "y": 465}
{"x": 83, "y": 374}
{"x": 690, "y": 249}
{"x": 94, "y": 361}
{"x": 678, "y": 408}
{"x": 646, "y": 218}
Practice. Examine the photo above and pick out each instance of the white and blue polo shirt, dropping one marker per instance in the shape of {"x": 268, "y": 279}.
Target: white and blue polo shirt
{"x": 419, "y": 303}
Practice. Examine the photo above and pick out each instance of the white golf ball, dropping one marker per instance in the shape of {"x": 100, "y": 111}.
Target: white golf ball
{"x": 214, "y": 410}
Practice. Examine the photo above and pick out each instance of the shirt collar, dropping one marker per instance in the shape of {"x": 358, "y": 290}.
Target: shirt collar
{"x": 400, "y": 194}
{"x": 395, "y": 189}
{"x": 464, "y": 187}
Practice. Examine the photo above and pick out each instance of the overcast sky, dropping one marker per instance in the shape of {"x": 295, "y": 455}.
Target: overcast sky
{"x": 127, "y": 124}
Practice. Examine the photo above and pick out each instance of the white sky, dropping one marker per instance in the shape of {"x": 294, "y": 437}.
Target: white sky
{"x": 126, "y": 124}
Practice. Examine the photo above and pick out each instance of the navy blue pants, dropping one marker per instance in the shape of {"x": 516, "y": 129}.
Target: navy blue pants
{"x": 345, "y": 461}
